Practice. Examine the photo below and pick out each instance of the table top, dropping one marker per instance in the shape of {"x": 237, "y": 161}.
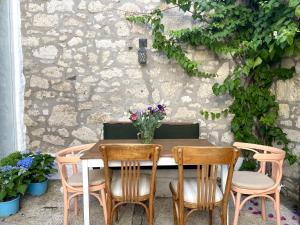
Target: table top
{"x": 167, "y": 145}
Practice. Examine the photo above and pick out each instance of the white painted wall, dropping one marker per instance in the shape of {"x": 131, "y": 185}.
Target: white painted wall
{"x": 12, "y": 130}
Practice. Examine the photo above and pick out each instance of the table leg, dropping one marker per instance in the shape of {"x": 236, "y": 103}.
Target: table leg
{"x": 224, "y": 174}
{"x": 86, "y": 196}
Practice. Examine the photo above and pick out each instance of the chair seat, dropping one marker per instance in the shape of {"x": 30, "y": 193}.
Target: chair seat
{"x": 190, "y": 190}
{"x": 96, "y": 177}
{"x": 251, "y": 180}
{"x": 116, "y": 185}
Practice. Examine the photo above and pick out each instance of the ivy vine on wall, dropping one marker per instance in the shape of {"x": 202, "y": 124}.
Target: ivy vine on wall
{"x": 257, "y": 34}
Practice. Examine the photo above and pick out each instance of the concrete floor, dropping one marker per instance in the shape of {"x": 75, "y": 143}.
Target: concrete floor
{"x": 48, "y": 210}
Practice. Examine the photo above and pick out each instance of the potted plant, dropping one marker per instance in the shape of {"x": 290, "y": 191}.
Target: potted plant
{"x": 42, "y": 166}
{"x": 13, "y": 183}
{"x": 147, "y": 121}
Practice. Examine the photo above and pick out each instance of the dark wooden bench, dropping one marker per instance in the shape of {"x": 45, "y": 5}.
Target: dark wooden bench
{"x": 165, "y": 131}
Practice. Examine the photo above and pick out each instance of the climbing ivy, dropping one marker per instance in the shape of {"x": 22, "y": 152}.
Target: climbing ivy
{"x": 257, "y": 35}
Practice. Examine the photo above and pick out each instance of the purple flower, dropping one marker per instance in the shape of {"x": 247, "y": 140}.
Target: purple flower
{"x": 25, "y": 163}
{"x": 38, "y": 152}
{"x": 161, "y": 107}
{"x": 250, "y": 208}
{"x": 283, "y": 218}
{"x": 271, "y": 215}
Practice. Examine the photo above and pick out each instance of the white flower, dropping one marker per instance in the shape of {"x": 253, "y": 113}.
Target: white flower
{"x": 275, "y": 33}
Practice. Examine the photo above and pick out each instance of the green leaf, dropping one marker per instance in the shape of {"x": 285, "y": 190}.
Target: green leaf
{"x": 257, "y": 62}
{"x": 206, "y": 115}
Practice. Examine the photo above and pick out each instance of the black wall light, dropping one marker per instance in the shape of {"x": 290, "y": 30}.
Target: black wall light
{"x": 142, "y": 52}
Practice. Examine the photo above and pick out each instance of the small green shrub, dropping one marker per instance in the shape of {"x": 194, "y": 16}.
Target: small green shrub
{"x": 11, "y": 159}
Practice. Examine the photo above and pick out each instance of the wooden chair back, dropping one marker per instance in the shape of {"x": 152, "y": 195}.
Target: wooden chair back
{"x": 207, "y": 160}
{"x": 130, "y": 156}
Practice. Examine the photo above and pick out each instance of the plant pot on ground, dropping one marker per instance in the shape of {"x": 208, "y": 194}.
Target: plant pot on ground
{"x": 38, "y": 188}
{"x": 13, "y": 183}
{"x": 42, "y": 167}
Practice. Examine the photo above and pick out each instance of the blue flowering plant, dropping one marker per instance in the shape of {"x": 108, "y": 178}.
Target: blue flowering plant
{"x": 14, "y": 179}
{"x": 38, "y": 165}
{"x": 42, "y": 166}
{"x": 146, "y": 121}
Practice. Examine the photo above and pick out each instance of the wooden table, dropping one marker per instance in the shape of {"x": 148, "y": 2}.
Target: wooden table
{"x": 93, "y": 158}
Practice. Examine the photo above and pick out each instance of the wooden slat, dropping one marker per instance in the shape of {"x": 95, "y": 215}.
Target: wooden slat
{"x": 206, "y": 188}
{"x": 198, "y": 186}
{"x": 202, "y": 185}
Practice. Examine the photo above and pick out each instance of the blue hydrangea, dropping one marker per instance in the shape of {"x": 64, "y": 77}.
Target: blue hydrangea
{"x": 6, "y": 168}
{"x": 25, "y": 163}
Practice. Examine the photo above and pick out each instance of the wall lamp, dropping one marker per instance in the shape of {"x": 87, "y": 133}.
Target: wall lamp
{"x": 142, "y": 52}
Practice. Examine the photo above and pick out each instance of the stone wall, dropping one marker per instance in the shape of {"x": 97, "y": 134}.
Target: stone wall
{"x": 80, "y": 64}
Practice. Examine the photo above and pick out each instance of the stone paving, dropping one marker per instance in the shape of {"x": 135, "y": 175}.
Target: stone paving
{"x": 48, "y": 210}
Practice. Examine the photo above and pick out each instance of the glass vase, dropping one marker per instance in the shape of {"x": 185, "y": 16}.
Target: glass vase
{"x": 146, "y": 135}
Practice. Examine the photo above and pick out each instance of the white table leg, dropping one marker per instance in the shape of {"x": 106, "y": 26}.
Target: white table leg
{"x": 86, "y": 196}
{"x": 224, "y": 174}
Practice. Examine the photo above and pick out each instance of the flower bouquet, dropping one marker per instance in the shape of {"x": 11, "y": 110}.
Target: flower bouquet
{"x": 147, "y": 121}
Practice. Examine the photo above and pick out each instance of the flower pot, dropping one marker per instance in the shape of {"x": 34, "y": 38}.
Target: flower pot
{"x": 9, "y": 208}
{"x": 38, "y": 189}
{"x": 239, "y": 163}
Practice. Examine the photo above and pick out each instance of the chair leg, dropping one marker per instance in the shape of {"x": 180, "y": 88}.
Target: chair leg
{"x": 210, "y": 216}
{"x": 175, "y": 216}
{"x": 66, "y": 207}
{"x": 109, "y": 211}
{"x": 263, "y": 208}
{"x": 277, "y": 207}
{"x": 151, "y": 212}
{"x": 181, "y": 216}
{"x": 104, "y": 206}
{"x": 224, "y": 215}
{"x": 237, "y": 208}
{"x": 76, "y": 205}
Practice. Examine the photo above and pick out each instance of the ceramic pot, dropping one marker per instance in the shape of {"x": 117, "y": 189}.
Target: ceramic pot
{"x": 9, "y": 208}
{"x": 38, "y": 189}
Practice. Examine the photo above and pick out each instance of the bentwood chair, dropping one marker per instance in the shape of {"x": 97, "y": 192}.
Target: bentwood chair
{"x": 201, "y": 192}
{"x": 259, "y": 184}
{"x": 130, "y": 186}
{"x": 68, "y": 163}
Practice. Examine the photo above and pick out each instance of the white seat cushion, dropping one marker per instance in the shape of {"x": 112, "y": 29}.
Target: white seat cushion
{"x": 190, "y": 190}
{"x": 251, "y": 180}
{"x": 96, "y": 177}
{"x": 116, "y": 185}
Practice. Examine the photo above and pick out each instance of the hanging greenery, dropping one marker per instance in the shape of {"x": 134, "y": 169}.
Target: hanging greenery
{"x": 258, "y": 35}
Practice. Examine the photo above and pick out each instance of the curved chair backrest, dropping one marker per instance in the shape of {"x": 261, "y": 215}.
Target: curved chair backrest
{"x": 207, "y": 160}
{"x": 70, "y": 157}
{"x": 265, "y": 154}
{"x": 130, "y": 156}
